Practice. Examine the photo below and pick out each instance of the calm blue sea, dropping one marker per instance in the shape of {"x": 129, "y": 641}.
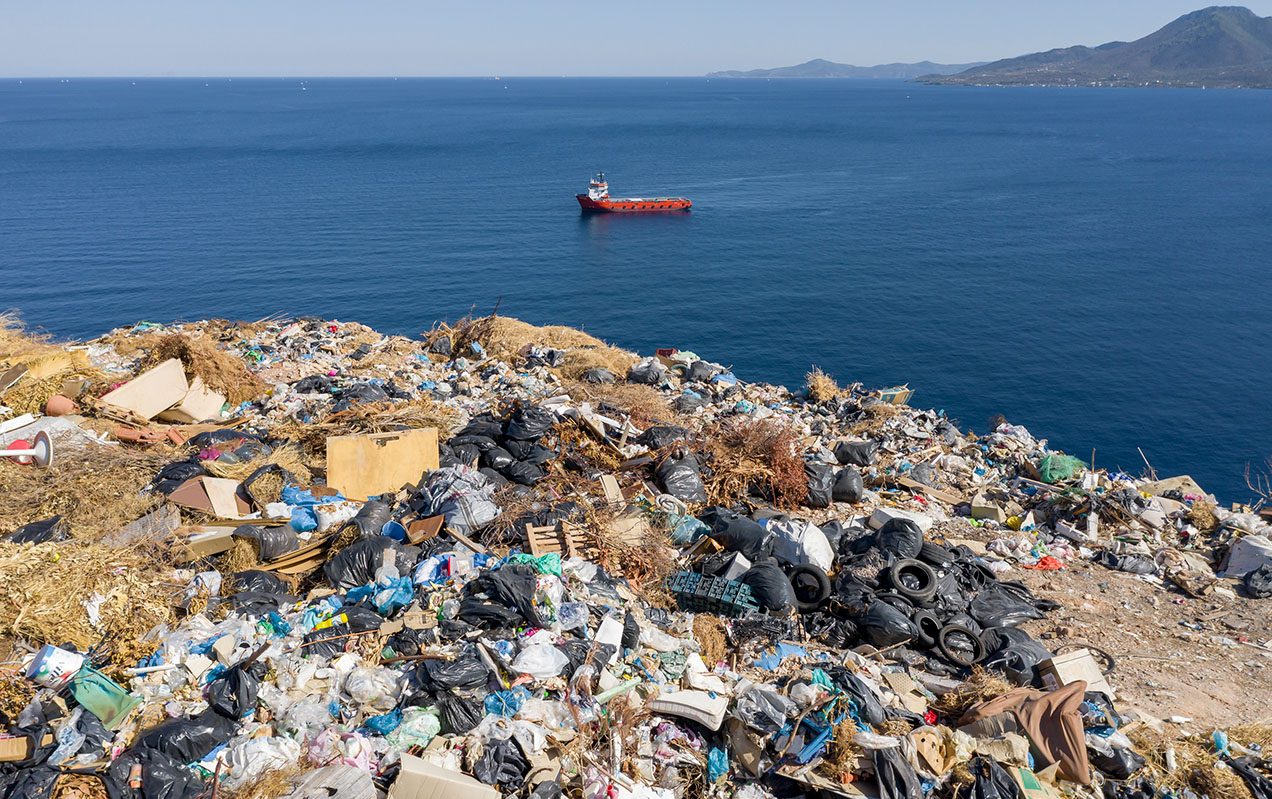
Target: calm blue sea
{"x": 1094, "y": 264}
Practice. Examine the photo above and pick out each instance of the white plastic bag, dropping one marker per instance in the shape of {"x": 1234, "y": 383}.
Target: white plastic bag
{"x": 800, "y": 542}
{"x": 540, "y": 661}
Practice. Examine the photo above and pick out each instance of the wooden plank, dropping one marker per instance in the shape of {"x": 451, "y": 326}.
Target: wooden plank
{"x": 936, "y": 493}
{"x": 363, "y": 466}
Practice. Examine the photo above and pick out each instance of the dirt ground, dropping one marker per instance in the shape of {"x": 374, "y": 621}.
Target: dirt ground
{"x": 1206, "y": 659}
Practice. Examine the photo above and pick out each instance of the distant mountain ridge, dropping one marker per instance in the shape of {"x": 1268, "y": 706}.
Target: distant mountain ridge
{"x": 1220, "y": 46}
{"x": 821, "y": 68}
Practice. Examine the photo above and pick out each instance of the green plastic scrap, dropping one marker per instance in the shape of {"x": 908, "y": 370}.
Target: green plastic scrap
{"x": 544, "y": 564}
{"x": 1058, "y": 468}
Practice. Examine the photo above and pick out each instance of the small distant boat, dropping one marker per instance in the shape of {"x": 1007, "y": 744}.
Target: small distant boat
{"x": 598, "y": 200}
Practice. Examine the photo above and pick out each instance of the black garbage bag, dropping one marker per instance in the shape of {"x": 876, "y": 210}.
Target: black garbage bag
{"x": 408, "y": 641}
{"x": 900, "y": 537}
{"x": 883, "y": 625}
{"x": 525, "y": 473}
{"x": 259, "y": 580}
{"x": 257, "y": 603}
{"x": 482, "y": 425}
{"x": 271, "y": 542}
{"x": 578, "y": 649}
{"x": 360, "y": 392}
{"x": 660, "y": 436}
{"x": 701, "y": 371}
{"x": 162, "y": 777}
{"x": 481, "y": 442}
{"x": 465, "y": 453}
{"x": 769, "y": 585}
{"x": 327, "y": 642}
{"x": 496, "y": 479}
{"x": 488, "y": 615}
{"x": 991, "y": 780}
{"x": 894, "y": 776}
{"x": 688, "y": 403}
{"x": 188, "y": 740}
{"x": 371, "y": 518}
{"x": 849, "y": 487}
{"x": 1014, "y": 653}
{"x": 172, "y": 476}
{"x": 598, "y": 376}
{"x": 357, "y": 563}
{"x": 648, "y": 372}
{"x": 737, "y": 533}
{"x": 631, "y": 632}
{"x": 512, "y": 585}
{"x": 1120, "y": 764}
{"x": 821, "y": 485}
{"x": 1258, "y": 583}
{"x": 834, "y": 532}
{"x": 1131, "y": 564}
{"x": 270, "y": 468}
{"x": 41, "y": 532}
{"x": 466, "y": 671}
{"x": 1251, "y": 770}
{"x": 459, "y": 714}
{"x": 856, "y": 453}
{"x": 831, "y": 631}
{"x": 233, "y": 694}
{"x": 548, "y": 789}
{"x": 995, "y": 605}
{"x": 680, "y": 478}
{"x": 529, "y": 423}
{"x": 924, "y": 473}
{"x": 29, "y": 783}
{"x": 497, "y": 458}
{"x": 502, "y": 763}
{"x": 314, "y": 384}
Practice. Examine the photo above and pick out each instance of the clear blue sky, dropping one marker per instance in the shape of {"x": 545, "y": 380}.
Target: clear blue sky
{"x": 543, "y": 37}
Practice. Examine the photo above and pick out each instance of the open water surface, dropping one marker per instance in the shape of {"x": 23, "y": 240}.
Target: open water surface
{"x": 1094, "y": 264}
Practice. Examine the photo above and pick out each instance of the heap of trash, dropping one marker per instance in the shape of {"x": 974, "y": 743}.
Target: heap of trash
{"x": 300, "y": 558}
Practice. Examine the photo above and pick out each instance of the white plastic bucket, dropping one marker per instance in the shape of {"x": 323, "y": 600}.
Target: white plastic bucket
{"x": 54, "y": 667}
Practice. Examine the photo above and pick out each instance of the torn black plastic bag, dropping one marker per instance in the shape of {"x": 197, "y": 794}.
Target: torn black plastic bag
{"x": 991, "y": 780}
{"x": 512, "y": 585}
{"x": 736, "y": 533}
{"x": 869, "y": 705}
{"x": 529, "y": 423}
{"x": 459, "y": 715}
{"x": 162, "y": 777}
{"x": 1119, "y": 763}
{"x": 271, "y": 542}
{"x": 598, "y": 376}
{"x": 884, "y": 626}
{"x": 371, "y": 518}
{"x": 259, "y": 580}
{"x": 466, "y": 671}
{"x": 327, "y": 642}
{"x": 1258, "y": 583}
{"x": 849, "y": 487}
{"x": 270, "y": 468}
{"x": 524, "y": 473}
{"x": 357, "y": 563}
{"x": 821, "y": 485}
{"x": 769, "y": 585}
{"x": 29, "y": 783}
{"x": 488, "y": 615}
{"x": 233, "y": 694}
{"x": 41, "y": 532}
{"x": 856, "y": 453}
{"x": 900, "y": 537}
{"x": 188, "y": 740}
{"x": 482, "y": 425}
{"x": 501, "y": 763}
{"x": 680, "y": 478}
{"x": 894, "y": 776}
{"x": 660, "y": 436}
{"x": 257, "y": 603}
{"x": 1131, "y": 564}
{"x": 1014, "y": 653}
{"x": 174, "y": 475}
{"x": 1249, "y": 770}
{"x": 497, "y": 458}
{"x": 996, "y": 606}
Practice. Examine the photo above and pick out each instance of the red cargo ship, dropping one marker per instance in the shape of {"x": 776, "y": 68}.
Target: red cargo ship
{"x": 597, "y": 199}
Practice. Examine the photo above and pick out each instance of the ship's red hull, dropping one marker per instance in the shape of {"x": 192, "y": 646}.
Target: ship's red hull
{"x": 633, "y": 205}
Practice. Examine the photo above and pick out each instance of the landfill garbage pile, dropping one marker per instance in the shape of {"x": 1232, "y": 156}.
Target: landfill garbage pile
{"x": 300, "y": 558}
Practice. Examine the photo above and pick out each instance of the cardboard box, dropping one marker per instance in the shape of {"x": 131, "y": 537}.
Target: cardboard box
{"x": 202, "y": 542}
{"x": 420, "y": 779}
{"x": 1071, "y": 667}
{"x": 152, "y": 392}
{"x": 215, "y": 495}
{"x": 16, "y": 748}
{"x": 199, "y": 404}
{"x": 363, "y": 466}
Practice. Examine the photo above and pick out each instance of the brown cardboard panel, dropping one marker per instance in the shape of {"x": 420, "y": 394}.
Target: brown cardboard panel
{"x": 420, "y": 779}
{"x": 153, "y": 391}
{"x": 363, "y": 466}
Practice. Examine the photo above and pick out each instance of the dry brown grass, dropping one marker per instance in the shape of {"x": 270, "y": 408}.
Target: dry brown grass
{"x": 1202, "y": 516}
{"x": 709, "y": 632}
{"x": 982, "y": 685}
{"x": 79, "y": 786}
{"x": 288, "y": 457}
{"x": 368, "y": 417}
{"x": 201, "y": 357}
{"x": 821, "y": 386}
{"x": 20, "y": 345}
{"x": 508, "y": 339}
{"x": 842, "y": 753}
{"x": 645, "y": 404}
{"x": 39, "y": 579}
{"x": 96, "y": 489}
{"x": 577, "y": 441}
{"x": 748, "y": 455}
{"x": 16, "y": 692}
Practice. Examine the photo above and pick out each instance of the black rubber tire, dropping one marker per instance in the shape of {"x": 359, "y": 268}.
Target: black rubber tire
{"x": 934, "y": 554}
{"x": 929, "y": 627}
{"x": 898, "y": 601}
{"x": 811, "y": 587}
{"x": 956, "y": 654}
{"x": 913, "y": 579}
